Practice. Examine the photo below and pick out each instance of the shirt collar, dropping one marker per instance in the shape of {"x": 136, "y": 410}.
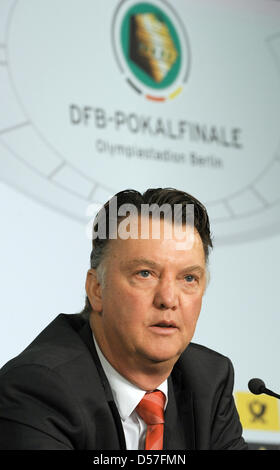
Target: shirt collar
{"x": 126, "y": 395}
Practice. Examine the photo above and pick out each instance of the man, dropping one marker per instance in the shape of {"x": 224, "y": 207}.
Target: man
{"x": 124, "y": 374}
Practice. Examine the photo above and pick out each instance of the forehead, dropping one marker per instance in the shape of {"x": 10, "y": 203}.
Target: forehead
{"x": 161, "y": 242}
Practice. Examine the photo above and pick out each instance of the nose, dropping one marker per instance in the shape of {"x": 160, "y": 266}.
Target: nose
{"x": 166, "y": 296}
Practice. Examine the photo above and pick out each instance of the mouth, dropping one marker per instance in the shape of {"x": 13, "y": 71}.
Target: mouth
{"x": 164, "y": 327}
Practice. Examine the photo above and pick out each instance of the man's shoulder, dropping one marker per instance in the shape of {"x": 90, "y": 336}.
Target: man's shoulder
{"x": 204, "y": 353}
{"x": 50, "y": 393}
{"x": 59, "y": 342}
{"x": 202, "y": 366}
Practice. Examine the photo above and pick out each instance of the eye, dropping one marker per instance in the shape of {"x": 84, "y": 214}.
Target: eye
{"x": 144, "y": 273}
{"x": 189, "y": 278}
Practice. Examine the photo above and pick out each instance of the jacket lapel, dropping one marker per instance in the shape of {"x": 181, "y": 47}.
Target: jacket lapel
{"x": 86, "y": 335}
{"x": 179, "y": 419}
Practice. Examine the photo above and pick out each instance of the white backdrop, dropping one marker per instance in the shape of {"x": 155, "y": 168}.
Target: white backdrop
{"x": 74, "y": 130}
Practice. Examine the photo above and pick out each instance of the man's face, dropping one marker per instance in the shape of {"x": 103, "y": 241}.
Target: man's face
{"x": 151, "y": 300}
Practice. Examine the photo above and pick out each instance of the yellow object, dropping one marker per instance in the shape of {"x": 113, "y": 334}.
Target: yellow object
{"x": 258, "y": 411}
{"x": 176, "y": 92}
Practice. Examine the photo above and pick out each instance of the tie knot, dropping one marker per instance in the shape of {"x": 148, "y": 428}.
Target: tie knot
{"x": 151, "y": 407}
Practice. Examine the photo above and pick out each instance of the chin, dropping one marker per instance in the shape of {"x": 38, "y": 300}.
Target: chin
{"x": 163, "y": 357}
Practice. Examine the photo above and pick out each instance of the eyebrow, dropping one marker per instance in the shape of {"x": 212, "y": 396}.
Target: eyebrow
{"x": 193, "y": 268}
{"x": 152, "y": 264}
{"x": 136, "y": 261}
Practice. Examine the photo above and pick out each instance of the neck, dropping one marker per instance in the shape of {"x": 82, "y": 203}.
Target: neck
{"x": 145, "y": 374}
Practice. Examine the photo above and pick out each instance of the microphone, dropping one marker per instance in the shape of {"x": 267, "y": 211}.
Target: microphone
{"x": 257, "y": 386}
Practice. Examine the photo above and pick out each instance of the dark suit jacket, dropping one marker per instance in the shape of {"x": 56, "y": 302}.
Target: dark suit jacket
{"x": 55, "y": 395}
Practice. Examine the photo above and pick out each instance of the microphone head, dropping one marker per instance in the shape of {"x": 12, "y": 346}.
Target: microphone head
{"x": 256, "y": 386}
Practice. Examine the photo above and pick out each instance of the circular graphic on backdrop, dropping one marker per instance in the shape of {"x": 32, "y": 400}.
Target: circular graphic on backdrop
{"x": 72, "y": 132}
{"x": 151, "y": 47}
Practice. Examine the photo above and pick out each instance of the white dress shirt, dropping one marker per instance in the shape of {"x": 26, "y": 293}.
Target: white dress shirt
{"x": 127, "y": 396}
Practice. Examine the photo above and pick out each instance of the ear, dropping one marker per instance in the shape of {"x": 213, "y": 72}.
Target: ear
{"x": 94, "y": 290}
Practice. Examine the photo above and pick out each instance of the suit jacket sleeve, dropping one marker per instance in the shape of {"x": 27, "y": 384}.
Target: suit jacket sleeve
{"x": 38, "y": 411}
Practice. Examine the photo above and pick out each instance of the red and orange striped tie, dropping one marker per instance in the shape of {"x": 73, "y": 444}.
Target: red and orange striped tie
{"x": 151, "y": 410}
